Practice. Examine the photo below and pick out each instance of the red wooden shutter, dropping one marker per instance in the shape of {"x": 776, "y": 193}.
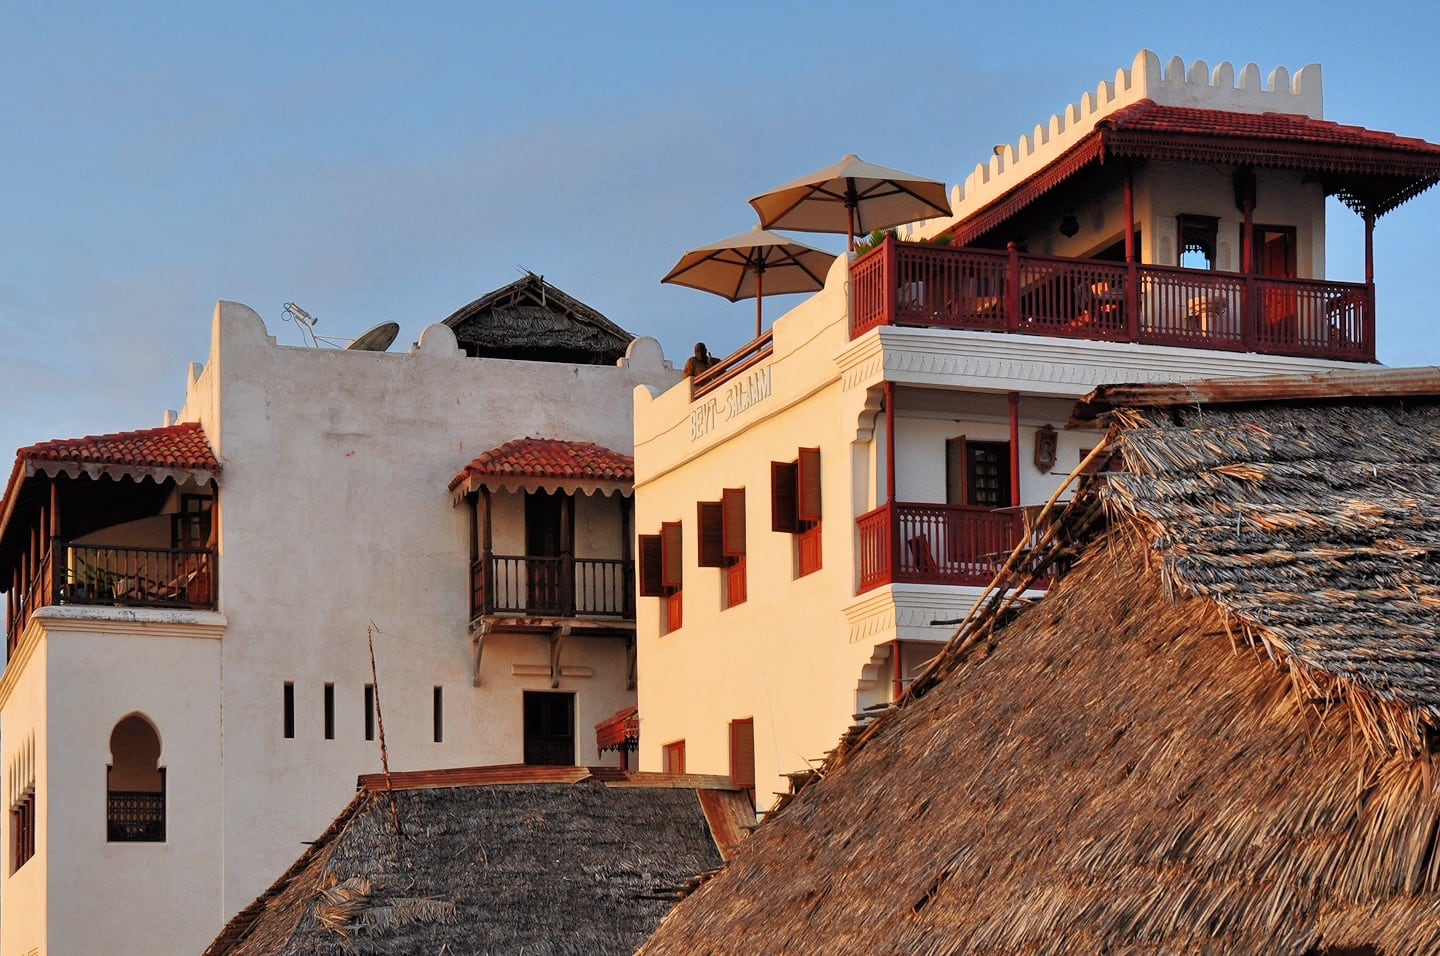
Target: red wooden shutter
{"x": 672, "y": 566}
{"x": 711, "y": 536}
{"x": 742, "y": 754}
{"x": 955, "y": 464}
{"x": 732, "y": 501}
{"x": 784, "y": 480}
{"x": 808, "y": 468}
{"x": 675, "y": 757}
{"x": 652, "y": 582}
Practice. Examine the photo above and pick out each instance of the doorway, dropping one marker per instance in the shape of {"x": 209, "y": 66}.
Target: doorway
{"x": 546, "y": 542}
{"x": 549, "y": 729}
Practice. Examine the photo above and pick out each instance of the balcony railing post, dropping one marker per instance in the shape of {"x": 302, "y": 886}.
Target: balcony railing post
{"x": 1368, "y": 323}
{"x": 1132, "y": 301}
{"x": 1012, "y": 288}
{"x": 567, "y": 585}
{"x": 891, "y": 285}
{"x": 1250, "y": 316}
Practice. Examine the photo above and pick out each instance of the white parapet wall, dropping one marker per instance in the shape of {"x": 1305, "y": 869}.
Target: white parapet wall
{"x": 1173, "y": 84}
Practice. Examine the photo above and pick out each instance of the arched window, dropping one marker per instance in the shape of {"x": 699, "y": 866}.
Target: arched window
{"x": 135, "y": 784}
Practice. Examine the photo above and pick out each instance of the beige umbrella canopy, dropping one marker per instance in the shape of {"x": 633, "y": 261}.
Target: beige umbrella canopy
{"x": 853, "y": 197}
{"x": 751, "y": 264}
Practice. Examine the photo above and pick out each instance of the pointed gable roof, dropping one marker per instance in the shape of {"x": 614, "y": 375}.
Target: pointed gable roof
{"x": 531, "y": 319}
{"x": 532, "y": 464}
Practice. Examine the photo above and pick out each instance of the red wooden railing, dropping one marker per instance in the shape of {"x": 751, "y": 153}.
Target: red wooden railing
{"x": 915, "y": 284}
{"x": 736, "y": 363}
{"x": 560, "y": 586}
{"x": 934, "y": 544}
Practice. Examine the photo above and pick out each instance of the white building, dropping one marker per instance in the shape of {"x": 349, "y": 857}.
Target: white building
{"x": 810, "y": 508}
{"x": 189, "y": 693}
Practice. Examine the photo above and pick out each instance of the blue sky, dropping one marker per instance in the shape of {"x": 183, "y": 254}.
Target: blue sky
{"x": 378, "y": 163}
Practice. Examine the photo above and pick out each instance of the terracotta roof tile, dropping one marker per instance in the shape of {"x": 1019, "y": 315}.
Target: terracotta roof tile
{"x": 176, "y": 446}
{"x": 550, "y": 458}
{"x": 1149, "y": 116}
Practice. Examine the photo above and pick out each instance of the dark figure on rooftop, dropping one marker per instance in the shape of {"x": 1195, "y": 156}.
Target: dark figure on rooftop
{"x": 700, "y": 361}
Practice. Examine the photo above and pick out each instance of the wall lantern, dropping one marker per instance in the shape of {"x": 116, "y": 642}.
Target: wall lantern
{"x": 1069, "y": 225}
{"x": 1045, "y": 447}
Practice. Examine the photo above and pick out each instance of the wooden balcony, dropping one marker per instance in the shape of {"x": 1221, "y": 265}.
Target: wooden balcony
{"x": 934, "y": 544}
{"x": 552, "y": 587}
{"x": 69, "y": 573}
{"x": 914, "y": 284}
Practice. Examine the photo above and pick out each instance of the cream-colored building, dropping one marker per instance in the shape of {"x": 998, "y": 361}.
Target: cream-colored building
{"x": 189, "y": 694}
{"x": 813, "y": 509}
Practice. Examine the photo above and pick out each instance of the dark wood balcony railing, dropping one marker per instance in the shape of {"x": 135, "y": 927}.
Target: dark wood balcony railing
{"x": 553, "y": 586}
{"x": 135, "y": 817}
{"x": 904, "y": 283}
{"x": 126, "y": 577}
{"x": 934, "y": 544}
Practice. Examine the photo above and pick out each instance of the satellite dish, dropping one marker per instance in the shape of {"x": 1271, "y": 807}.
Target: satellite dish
{"x": 377, "y": 339}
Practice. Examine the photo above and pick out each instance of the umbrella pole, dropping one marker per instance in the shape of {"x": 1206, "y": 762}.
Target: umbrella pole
{"x": 759, "y": 297}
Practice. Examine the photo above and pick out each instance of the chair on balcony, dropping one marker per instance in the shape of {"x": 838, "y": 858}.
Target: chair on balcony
{"x": 921, "y": 555}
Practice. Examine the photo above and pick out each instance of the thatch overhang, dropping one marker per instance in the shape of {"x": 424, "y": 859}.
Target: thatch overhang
{"x": 531, "y": 319}
{"x": 140, "y": 463}
{"x": 1364, "y": 168}
{"x": 1215, "y": 733}
{"x": 497, "y": 860}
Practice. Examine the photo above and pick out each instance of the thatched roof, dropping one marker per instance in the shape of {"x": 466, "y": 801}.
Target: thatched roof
{"x": 530, "y": 319}
{"x": 496, "y": 860}
{"x": 1213, "y": 734}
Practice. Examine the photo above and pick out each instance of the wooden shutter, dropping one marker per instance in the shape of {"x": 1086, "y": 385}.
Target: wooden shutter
{"x": 675, "y": 757}
{"x": 672, "y": 564}
{"x": 732, "y": 501}
{"x": 711, "y": 536}
{"x": 742, "y": 753}
{"x": 651, "y": 579}
{"x": 808, "y": 468}
{"x": 955, "y": 464}
{"x": 784, "y": 479}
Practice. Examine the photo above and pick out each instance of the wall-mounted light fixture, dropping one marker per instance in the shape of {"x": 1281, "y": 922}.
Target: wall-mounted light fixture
{"x": 1069, "y": 225}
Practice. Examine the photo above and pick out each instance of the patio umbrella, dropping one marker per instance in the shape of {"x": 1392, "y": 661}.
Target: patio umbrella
{"x": 751, "y": 264}
{"x": 853, "y": 197}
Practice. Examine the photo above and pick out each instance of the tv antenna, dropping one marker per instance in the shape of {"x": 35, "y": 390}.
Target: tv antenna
{"x": 304, "y": 321}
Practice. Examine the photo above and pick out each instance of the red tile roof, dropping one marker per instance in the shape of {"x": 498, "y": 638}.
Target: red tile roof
{"x": 176, "y": 446}
{"x": 550, "y": 458}
{"x": 1149, "y": 116}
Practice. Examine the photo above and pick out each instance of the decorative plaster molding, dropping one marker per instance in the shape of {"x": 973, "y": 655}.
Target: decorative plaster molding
{"x": 132, "y": 621}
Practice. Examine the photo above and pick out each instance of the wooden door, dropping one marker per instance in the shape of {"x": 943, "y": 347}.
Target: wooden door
{"x": 549, "y": 729}
{"x": 544, "y": 547}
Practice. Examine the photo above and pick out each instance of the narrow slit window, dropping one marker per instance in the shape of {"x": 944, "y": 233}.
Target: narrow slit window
{"x": 329, "y": 711}
{"x": 289, "y": 710}
{"x": 369, "y": 711}
{"x": 439, "y": 715}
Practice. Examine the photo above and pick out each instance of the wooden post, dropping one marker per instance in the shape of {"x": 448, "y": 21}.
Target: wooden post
{"x": 1014, "y": 449}
{"x": 1369, "y": 321}
{"x": 891, "y": 252}
{"x": 567, "y": 555}
{"x": 1132, "y": 273}
{"x": 1012, "y": 289}
{"x": 627, "y": 555}
{"x": 56, "y": 576}
{"x": 486, "y": 553}
{"x": 894, "y": 531}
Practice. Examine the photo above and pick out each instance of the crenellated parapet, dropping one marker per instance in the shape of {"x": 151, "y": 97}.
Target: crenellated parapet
{"x": 1173, "y": 84}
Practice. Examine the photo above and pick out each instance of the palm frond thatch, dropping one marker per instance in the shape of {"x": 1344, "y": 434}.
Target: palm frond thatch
{"x": 1213, "y": 735}
{"x": 531, "y": 319}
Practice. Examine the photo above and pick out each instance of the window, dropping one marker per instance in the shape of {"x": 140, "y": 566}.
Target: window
{"x": 722, "y": 542}
{"x": 795, "y": 506}
{"x": 674, "y": 757}
{"x": 549, "y": 729}
{"x": 438, "y": 702}
{"x": 289, "y": 710}
{"x": 329, "y": 711}
{"x": 135, "y": 784}
{"x": 369, "y": 711}
{"x": 977, "y": 473}
{"x": 1197, "y": 241}
{"x": 742, "y": 755}
{"x": 661, "y": 570}
{"x": 22, "y": 828}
